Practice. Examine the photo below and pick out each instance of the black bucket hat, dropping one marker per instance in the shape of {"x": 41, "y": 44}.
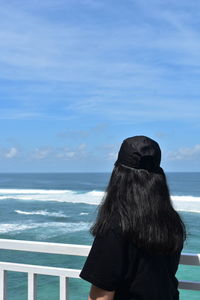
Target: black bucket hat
{"x": 140, "y": 152}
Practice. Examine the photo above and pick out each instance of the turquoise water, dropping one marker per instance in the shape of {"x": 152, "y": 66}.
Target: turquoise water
{"x": 60, "y": 208}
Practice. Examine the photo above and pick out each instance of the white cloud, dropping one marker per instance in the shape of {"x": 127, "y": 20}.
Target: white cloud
{"x": 185, "y": 153}
{"x": 41, "y": 153}
{"x": 72, "y": 153}
{"x": 11, "y": 153}
{"x": 66, "y": 154}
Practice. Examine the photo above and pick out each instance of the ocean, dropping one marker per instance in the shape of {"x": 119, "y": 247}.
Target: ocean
{"x": 60, "y": 207}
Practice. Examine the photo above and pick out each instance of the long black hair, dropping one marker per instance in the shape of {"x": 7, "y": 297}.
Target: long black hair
{"x": 138, "y": 201}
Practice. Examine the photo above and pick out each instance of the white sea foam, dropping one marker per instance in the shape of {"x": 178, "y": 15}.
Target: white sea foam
{"x": 186, "y": 198}
{"x": 186, "y": 203}
{"x": 190, "y": 210}
{"x": 92, "y": 197}
{"x": 181, "y": 203}
{"x": 96, "y": 193}
{"x": 50, "y": 227}
{"x": 33, "y": 191}
{"x": 41, "y": 212}
{"x": 83, "y": 213}
{"x": 6, "y": 228}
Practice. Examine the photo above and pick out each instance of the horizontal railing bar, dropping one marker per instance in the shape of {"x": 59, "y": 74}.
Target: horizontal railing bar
{"x": 45, "y": 247}
{"x": 71, "y": 273}
{"x": 41, "y": 270}
{"x": 190, "y": 259}
{"x": 73, "y": 249}
{"x": 189, "y": 285}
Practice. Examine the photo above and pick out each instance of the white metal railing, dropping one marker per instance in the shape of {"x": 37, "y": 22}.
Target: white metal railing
{"x": 63, "y": 273}
{"x": 34, "y": 270}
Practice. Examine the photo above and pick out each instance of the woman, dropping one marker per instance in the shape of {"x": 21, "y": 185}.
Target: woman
{"x": 138, "y": 234}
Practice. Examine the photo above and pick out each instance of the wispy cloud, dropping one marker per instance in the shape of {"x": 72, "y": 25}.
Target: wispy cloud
{"x": 136, "y": 110}
{"x": 24, "y": 114}
{"x": 62, "y": 153}
{"x": 135, "y": 62}
{"x": 185, "y": 153}
{"x": 44, "y": 49}
{"x": 74, "y": 134}
{"x": 65, "y": 153}
{"x": 91, "y": 71}
{"x": 42, "y": 153}
{"x": 12, "y": 114}
{"x": 68, "y": 153}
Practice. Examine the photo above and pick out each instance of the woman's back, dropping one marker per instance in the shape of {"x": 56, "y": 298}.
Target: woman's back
{"x": 138, "y": 234}
{"x": 149, "y": 276}
{"x": 116, "y": 263}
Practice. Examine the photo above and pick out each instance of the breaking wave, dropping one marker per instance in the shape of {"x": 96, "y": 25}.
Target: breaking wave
{"x": 180, "y": 203}
{"x": 41, "y": 213}
{"x": 48, "y": 226}
{"x": 92, "y": 197}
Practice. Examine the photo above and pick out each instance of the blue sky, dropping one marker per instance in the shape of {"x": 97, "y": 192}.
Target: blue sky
{"x": 79, "y": 76}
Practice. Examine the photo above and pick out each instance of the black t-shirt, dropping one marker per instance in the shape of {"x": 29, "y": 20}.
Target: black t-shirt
{"x": 116, "y": 264}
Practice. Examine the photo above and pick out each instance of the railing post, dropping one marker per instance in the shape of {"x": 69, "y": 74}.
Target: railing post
{"x": 32, "y": 286}
{"x": 3, "y": 284}
{"x": 64, "y": 288}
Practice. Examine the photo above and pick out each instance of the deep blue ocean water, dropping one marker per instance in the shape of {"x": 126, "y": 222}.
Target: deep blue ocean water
{"x": 60, "y": 208}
